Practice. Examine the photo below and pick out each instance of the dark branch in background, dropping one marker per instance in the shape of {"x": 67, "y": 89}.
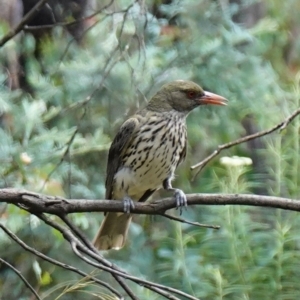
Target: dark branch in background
{"x": 66, "y": 24}
{"x": 73, "y": 40}
{"x": 125, "y": 11}
{"x": 23, "y": 22}
{"x": 247, "y": 138}
{"x": 22, "y": 25}
{"x": 21, "y": 276}
{"x": 107, "y": 69}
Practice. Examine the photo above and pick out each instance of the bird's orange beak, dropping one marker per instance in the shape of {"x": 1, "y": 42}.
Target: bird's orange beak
{"x": 213, "y": 99}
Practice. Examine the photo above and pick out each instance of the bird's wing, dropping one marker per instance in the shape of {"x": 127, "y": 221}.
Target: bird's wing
{"x": 118, "y": 147}
{"x": 182, "y": 155}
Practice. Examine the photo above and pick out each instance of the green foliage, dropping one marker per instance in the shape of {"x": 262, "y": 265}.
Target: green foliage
{"x": 55, "y": 141}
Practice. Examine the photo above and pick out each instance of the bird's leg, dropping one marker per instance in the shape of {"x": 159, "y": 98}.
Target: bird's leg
{"x": 128, "y": 204}
{"x": 179, "y": 195}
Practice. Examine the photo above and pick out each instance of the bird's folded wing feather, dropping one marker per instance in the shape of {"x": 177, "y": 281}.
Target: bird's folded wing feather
{"x": 182, "y": 155}
{"x": 119, "y": 146}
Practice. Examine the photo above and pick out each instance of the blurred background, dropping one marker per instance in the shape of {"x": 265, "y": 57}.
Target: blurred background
{"x": 80, "y": 67}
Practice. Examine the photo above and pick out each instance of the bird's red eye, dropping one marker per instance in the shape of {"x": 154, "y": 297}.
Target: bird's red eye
{"x": 191, "y": 94}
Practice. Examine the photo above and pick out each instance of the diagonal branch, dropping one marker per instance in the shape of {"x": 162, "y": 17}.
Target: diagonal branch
{"x": 56, "y": 262}
{"x": 107, "y": 266}
{"x": 66, "y": 152}
{"x": 70, "y": 23}
{"x": 168, "y": 216}
{"x": 22, "y": 277}
{"x": 39, "y": 204}
{"x": 199, "y": 166}
{"x": 23, "y": 22}
{"x": 89, "y": 245}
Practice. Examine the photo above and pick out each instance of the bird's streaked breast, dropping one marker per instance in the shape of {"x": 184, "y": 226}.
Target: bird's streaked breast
{"x": 152, "y": 156}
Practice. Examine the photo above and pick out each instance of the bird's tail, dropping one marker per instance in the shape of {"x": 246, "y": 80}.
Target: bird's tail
{"x": 113, "y": 231}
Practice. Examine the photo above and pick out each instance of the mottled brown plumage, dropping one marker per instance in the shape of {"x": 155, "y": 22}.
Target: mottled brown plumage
{"x": 146, "y": 152}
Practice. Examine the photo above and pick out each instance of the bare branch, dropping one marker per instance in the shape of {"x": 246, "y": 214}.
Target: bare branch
{"x": 247, "y": 138}
{"x": 289, "y": 119}
{"x": 56, "y": 262}
{"x": 89, "y": 245}
{"x": 105, "y": 265}
{"x": 23, "y": 22}
{"x": 125, "y": 11}
{"x": 67, "y": 24}
{"x": 22, "y": 277}
{"x": 39, "y": 203}
{"x": 189, "y": 222}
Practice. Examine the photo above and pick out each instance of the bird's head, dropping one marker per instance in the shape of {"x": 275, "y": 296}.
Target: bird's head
{"x": 182, "y": 96}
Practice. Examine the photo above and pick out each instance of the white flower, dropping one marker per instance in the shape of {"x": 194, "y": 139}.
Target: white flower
{"x": 25, "y": 158}
{"x": 235, "y": 161}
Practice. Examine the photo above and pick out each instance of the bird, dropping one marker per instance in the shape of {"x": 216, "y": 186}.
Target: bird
{"x": 145, "y": 153}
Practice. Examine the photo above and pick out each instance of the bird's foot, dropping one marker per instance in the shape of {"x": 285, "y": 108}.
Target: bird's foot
{"x": 180, "y": 199}
{"x": 128, "y": 204}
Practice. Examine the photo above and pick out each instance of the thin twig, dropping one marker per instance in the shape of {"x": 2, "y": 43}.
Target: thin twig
{"x": 90, "y": 27}
{"x": 23, "y": 22}
{"x": 63, "y": 157}
{"x": 289, "y": 119}
{"x": 111, "y": 270}
{"x": 22, "y": 277}
{"x": 74, "y": 39}
{"x": 142, "y": 282}
{"x": 56, "y": 262}
{"x": 107, "y": 266}
{"x": 247, "y": 138}
{"x": 88, "y": 244}
{"x": 66, "y": 152}
{"x": 103, "y": 264}
{"x": 78, "y": 233}
{"x": 67, "y": 24}
{"x": 189, "y": 222}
